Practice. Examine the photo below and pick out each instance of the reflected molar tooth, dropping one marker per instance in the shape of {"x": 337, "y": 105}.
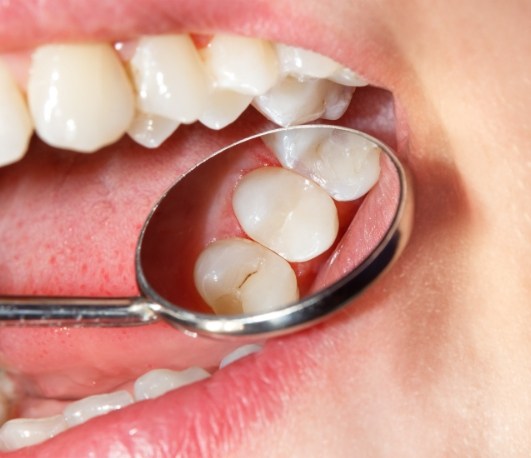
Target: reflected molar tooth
{"x": 346, "y": 166}
{"x": 286, "y": 212}
{"x": 239, "y": 353}
{"x": 150, "y": 130}
{"x": 16, "y": 126}
{"x": 224, "y": 107}
{"x": 294, "y": 102}
{"x": 347, "y": 77}
{"x": 169, "y": 77}
{"x": 303, "y": 63}
{"x": 80, "y": 96}
{"x": 24, "y": 432}
{"x": 242, "y": 64}
{"x": 159, "y": 381}
{"x": 235, "y": 275}
{"x": 93, "y": 406}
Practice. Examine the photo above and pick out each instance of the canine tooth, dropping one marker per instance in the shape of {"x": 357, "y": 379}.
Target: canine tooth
{"x": 347, "y": 77}
{"x": 24, "y": 432}
{"x": 16, "y": 126}
{"x": 93, "y": 406}
{"x": 346, "y": 166}
{"x": 159, "y": 381}
{"x": 303, "y": 63}
{"x": 239, "y": 353}
{"x": 79, "y": 95}
{"x": 150, "y": 130}
{"x": 224, "y": 107}
{"x": 235, "y": 275}
{"x": 242, "y": 64}
{"x": 286, "y": 212}
{"x": 297, "y": 102}
{"x": 169, "y": 77}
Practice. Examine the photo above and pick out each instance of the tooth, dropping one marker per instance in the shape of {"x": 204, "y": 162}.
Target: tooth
{"x": 297, "y": 102}
{"x": 24, "y": 432}
{"x": 239, "y": 353}
{"x": 93, "y": 406}
{"x": 303, "y": 63}
{"x": 347, "y": 77}
{"x": 159, "y": 381}
{"x": 79, "y": 96}
{"x": 224, "y": 107}
{"x": 150, "y": 130}
{"x": 346, "y": 165}
{"x": 235, "y": 275}
{"x": 245, "y": 65}
{"x": 16, "y": 126}
{"x": 286, "y": 213}
{"x": 169, "y": 77}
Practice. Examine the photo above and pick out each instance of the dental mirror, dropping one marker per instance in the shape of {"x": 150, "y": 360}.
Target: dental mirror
{"x": 367, "y": 200}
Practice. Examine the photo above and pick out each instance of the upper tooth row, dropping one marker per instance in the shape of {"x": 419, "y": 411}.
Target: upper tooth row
{"x": 85, "y": 96}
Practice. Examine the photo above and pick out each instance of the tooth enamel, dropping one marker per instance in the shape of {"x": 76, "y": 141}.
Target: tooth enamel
{"x": 239, "y": 353}
{"x": 235, "y": 275}
{"x": 93, "y": 406}
{"x": 160, "y": 381}
{"x": 347, "y": 77}
{"x": 346, "y": 166}
{"x": 296, "y": 102}
{"x": 169, "y": 77}
{"x": 224, "y": 107}
{"x": 79, "y": 95}
{"x": 24, "y": 432}
{"x": 286, "y": 212}
{"x": 303, "y": 63}
{"x": 16, "y": 126}
{"x": 245, "y": 65}
{"x": 151, "y": 130}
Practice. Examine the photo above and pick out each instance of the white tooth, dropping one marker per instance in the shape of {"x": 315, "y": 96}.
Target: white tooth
{"x": 239, "y": 353}
{"x": 346, "y": 165}
{"x": 347, "y": 77}
{"x": 16, "y": 126}
{"x": 24, "y": 432}
{"x": 286, "y": 212}
{"x": 245, "y": 65}
{"x": 93, "y": 406}
{"x": 303, "y": 63}
{"x": 150, "y": 130}
{"x": 169, "y": 77}
{"x": 159, "y": 381}
{"x": 235, "y": 275}
{"x": 297, "y": 102}
{"x": 79, "y": 95}
{"x": 224, "y": 107}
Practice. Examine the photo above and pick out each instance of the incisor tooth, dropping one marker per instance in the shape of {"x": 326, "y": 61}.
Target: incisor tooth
{"x": 160, "y": 381}
{"x": 239, "y": 353}
{"x": 235, "y": 275}
{"x": 347, "y": 77}
{"x": 24, "y": 432}
{"x": 151, "y": 130}
{"x": 224, "y": 107}
{"x": 93, "y": 406}
{"x": 79, "y": 95}
{"x": 303, "y": 63}
{"x": 286, "y": 213}
{"x": 169, "y": 77}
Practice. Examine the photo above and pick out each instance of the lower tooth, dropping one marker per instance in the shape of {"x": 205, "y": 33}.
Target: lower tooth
{"x": 160, "y": 381}
{"x": 24, "y": 432}
{"x": 239, "y": 353}
{"x": 223, "y": 108}
{"x": 151, "y": 130}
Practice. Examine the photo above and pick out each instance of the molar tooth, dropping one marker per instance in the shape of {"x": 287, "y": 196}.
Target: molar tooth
{"x": 24, "y": 432}
{"x": 224, "y": 107}
{"x": 347, "y": 77}
{"x": 150, "y": 130}
{"x": 169, "y": 77}
{"x": 242, "y": 64}
{"x": 235, "y": 275}
{"x": 160, "y": 381}
{"x": 303, "y": 63}
{"x": 16, "y": 126}
{"x": 79, "y": 95}
{"x": 286, "y": 212}
{"x": 93, "y": 406}
{"x": 239, "y": 353}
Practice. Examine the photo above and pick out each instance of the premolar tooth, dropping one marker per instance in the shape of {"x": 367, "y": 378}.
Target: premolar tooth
{"x": 347, "y": 77}
{"x": 303, "y": 63}
{"x": 93, "y": 406}
{"x": 294, "y": 102}
{"x": 24, "y": 432}
{"x": 224, "y": 107}
{"x": 150, "y": 130}
{"x": 235, "y": 275}
{"x": 79, "y": 95}
{"x": 159, "y": 381}
{"x": 239, "y": 353}
{"x": 286, "y": 212}
{"x": 242, "y": 64}
{"x": 169, "y": 77}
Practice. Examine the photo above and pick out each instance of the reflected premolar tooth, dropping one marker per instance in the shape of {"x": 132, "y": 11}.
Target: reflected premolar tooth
{"x": 239, "y": 353}
{"x": 235, "y": 275}
{"x": 24, "y": 432}
{"x": 303, "y": 63}
{"x": 286, "y": 213}
{"x": 93, "y": 406}
{"x": 347, "y": 77}
{"x": 150, "y": 130}
{"x": 293, "y": 102}
{"x": 169, "y": 77}
{"x": 79, "y": 95}
{"x": 159, "y": 381}
{"x": 16, "y": 126}
{"x": 224, "y": 107}
{"x": 242, "y": 64}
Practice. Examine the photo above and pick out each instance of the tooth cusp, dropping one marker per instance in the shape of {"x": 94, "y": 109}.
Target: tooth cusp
{"x": 150, "y": 130}
{"x": 303, "y": 63}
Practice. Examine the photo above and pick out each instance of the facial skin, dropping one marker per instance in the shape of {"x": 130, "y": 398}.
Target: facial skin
{"x": 436, "y": 360}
